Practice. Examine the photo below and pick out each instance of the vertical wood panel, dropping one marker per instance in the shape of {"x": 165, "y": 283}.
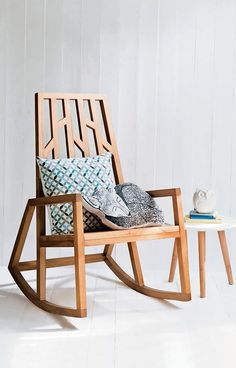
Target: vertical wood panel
{"x": 232, "y": 190}
{"x": 71, "y": 69}
{"x": 34, "y": 81}
{"x": 109, "y": 56}
{"x": 166, "y": 85}
{"x": 204, "y": 92}
{"x": 128, "y": 64}
{"x": 3, "y": 26}
{"x": 224, "y": 120}
{"x": 146, "y": 98}
{"x": 182, "y": 167}
{"x": 90, "y": 38}
{"x": 15, "y": 79}
{"x": 54, "y": 45}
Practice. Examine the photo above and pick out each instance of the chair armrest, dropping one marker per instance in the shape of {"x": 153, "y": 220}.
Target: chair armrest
{"x": 64, "y": 198}
{"x": 173, "y": 192}
{"x": 76, "y": 201}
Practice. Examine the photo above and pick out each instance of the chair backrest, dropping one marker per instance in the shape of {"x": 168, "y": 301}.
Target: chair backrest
{"x": 70, "y": 125}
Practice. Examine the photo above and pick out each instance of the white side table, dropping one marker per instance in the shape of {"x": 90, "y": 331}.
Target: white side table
{"x": 228, "y": 223}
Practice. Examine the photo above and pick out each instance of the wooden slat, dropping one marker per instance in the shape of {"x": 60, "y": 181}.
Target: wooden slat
{"x": 80, "y": 144}
{"x": 83, "y": 126}
{"x": 64, "y": 198}
{"x": 48, "y": 148}
{"x": 60, "y": 262}
{"x": 90, "y": 124}
{"x": 57, "y": 244}
{"x": 62, "y": 122}
{"x": 120, "y": 236}
{"x": 69, "y": 131}
{"x": 164, "y": 192}
{"x": 57, "y": 238}
{"x": 135, "y": 261}
{"x": 54, "y": 127}
{"x": 93, "y": 258}
{"x": 97, "y": 130}
{"x": 107, "y": 146}
{"x": 117, "y": 236}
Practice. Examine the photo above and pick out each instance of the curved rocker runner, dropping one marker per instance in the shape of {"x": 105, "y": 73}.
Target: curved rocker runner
{"x": 81, "y": 239}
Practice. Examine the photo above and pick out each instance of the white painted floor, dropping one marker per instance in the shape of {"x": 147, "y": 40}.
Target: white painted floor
{"x": 123, "y": 328}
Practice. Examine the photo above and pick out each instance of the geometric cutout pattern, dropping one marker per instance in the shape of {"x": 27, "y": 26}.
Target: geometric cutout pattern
{"x": 74, "y": 175}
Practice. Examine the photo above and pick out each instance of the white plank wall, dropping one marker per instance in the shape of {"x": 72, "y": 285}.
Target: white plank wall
{"x": 169, "y": 70}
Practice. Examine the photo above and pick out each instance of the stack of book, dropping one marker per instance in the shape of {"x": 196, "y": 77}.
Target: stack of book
{"x": 198, "y": 217}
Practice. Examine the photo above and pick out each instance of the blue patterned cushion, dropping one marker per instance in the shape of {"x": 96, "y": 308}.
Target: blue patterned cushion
{"x": 74, "y": 175}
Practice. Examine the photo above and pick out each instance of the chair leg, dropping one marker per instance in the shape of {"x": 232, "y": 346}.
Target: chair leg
{"x": 225, "y": 253}
{"x": 173, "y": 263}
{"x": 182, "y": 252}
{"x": 79, "y": 254}
{"x": 182, "y": 248}
{"x": 202, "y": 259}
{"x": 80, "y": 283}
{"x": 135, "y": 261}
{"x": 41, "y": 272}
{"x": 41, "y": 254}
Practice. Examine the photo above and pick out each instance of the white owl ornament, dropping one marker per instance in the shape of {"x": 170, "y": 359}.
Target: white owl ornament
{"x": 204, "y": 201}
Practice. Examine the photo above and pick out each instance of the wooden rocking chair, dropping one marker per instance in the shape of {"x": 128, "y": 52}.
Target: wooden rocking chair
{"x": 104, "y": 141}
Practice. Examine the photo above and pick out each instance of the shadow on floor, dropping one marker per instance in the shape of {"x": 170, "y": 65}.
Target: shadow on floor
{"x": 18, "y": 314}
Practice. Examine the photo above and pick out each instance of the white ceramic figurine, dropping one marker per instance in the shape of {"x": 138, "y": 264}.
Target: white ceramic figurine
{"x": 204, "y": 201}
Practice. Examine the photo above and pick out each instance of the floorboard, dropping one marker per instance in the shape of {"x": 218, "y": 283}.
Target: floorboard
{"x": 124, "y": 329}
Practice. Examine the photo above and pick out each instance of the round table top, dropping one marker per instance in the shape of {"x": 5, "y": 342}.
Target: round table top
{"x": 227, "y": 223}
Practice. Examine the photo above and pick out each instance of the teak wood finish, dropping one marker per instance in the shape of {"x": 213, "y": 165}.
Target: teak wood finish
{"x": 76, "y": 139}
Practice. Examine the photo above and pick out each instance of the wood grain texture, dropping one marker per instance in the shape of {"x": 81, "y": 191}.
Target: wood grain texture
{"x": 225, "y": 254}
{"x": 202, "y": 260}
{"x": 79, "y": 257}
{"x": 135, "y": 261}
{"x": 173, "y": 264}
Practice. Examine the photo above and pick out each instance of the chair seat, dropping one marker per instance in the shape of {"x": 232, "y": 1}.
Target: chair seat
{"x": 114, "y": 236}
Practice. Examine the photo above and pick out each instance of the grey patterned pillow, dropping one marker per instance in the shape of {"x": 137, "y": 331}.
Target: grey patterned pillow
{"x": 126, "y": 207}
{"x": 74, "y": 175}
{"x": 105, "y": 202}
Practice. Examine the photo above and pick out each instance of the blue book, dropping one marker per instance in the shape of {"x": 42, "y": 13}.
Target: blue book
{"x": 202, "y": 216}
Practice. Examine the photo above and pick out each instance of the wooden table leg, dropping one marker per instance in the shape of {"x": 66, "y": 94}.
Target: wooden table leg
{"x": 225, "y": 253}
{"x": 202, "y": 259}
{"x": 173, "y": 262}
